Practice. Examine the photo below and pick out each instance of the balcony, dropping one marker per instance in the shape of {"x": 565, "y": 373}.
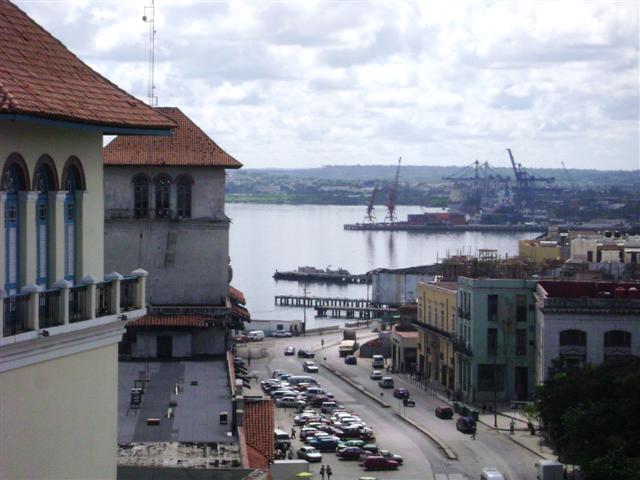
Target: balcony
{"x": 67, "y": 307}
{"x": 462, "y": 347}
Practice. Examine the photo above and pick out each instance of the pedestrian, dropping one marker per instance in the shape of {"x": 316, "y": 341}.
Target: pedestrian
{"x": 322, "y": 472}
{"x": 473, "y": 434}
{"x": 290, "y": 455}
{"x": 322, "y": 343}
{"x": 293, "y": 433}
{"x": 329, "y": 472}
{"x": 512, "y": 427}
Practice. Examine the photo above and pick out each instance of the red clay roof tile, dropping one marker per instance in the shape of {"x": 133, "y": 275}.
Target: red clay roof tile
{"x": 169, "y": 321}
{"x": 237, "y": 295}
{"x": 259, "y": 424}
{"x": 188, "y": 145}
{"x": 40, "y": 77}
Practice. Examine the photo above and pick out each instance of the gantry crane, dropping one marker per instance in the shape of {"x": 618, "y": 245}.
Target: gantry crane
{"x": 525, "y": 183}
{"x": 393, "y": 191}
{"x": 370, "y": 216}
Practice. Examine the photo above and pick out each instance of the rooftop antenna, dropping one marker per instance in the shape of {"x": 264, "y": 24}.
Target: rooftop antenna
{"x": 150, "y": 19}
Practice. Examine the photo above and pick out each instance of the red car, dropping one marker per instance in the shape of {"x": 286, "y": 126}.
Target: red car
{"x": 445, "y": 413}
{"x": 241, "y": 339}
{"x": 378, "y": 462}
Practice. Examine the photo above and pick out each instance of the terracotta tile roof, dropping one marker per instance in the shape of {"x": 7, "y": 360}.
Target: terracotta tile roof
{"x": 169, "y": 321}
{"x": 259, "y": 424}
{"x": 240, "y": 311}
{"x": 237, "y": 295}
{"x": 188, "y": 145}
{"x": 40, "y": 77}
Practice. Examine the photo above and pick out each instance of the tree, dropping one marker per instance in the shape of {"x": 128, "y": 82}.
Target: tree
{"x": 591, "y": 416}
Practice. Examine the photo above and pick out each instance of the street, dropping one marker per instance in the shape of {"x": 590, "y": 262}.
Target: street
{"x": 422, "y": 458}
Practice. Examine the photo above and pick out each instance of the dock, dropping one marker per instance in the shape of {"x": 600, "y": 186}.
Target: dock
{"x": 408, "y": 227}
{"x": 351, "y": 312}
{"x": 335, "y": 306}
{"x": 322, "y": 277}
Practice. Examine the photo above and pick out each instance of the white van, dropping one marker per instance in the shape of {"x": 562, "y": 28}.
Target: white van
{"x": 491, "y": 474}
{"x": 298, "y": 379}
{"x": 282, "y": 439}
{"x": 378, "y": 361}
{"x": 256, "y": 336}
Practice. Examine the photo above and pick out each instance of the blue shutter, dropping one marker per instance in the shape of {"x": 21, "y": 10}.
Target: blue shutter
{"x": 42, "y": 240}
{"x": 70, "y": 238}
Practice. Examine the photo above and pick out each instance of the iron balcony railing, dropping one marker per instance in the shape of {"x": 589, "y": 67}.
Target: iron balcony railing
{"x": 103, "y": 299}
{"x": 50, "y": 311}
{"x": 128, "y": 293}
{"x": 16, "y": 314}
{"x": 77, "y": 303}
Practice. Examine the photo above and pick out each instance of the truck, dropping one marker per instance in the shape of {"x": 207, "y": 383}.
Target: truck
{"x": 347, "y": 347}
{"x": 549, "y": 470}
{"x": 349, "y": 335}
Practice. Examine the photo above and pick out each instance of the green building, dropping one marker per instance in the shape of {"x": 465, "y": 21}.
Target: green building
{"x": 494, "y": 340}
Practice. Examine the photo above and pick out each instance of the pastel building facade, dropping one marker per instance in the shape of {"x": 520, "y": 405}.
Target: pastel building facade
{"x": 61, "y": 315}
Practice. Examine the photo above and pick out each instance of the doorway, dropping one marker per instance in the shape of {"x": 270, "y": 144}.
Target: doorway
{"x": 165, "y": 346}
{"x": 522, "y": 383}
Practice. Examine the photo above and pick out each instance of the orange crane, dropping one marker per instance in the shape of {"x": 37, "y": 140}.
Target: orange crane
{"x": 393, "y": 191}
{"x": 370, "y": 216}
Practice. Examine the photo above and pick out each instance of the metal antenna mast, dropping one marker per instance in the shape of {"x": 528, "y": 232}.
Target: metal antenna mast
{"x": 150, "y": 19}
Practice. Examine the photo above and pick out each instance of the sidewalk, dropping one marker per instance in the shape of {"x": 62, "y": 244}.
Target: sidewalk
{"x": 533, "y": 443}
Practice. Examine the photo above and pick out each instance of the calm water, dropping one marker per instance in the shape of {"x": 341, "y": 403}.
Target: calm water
{"x": 264, "y": 238}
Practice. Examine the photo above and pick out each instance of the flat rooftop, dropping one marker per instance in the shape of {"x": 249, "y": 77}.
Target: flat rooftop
{"x": 196, "y": 417}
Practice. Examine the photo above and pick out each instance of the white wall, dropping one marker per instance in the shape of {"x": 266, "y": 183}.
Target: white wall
{"x": 58, "y": 418}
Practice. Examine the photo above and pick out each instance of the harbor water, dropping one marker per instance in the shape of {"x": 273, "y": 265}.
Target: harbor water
{"x": 264, "y": 238}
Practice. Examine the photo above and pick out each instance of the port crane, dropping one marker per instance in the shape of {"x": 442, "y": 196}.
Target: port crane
{"x": 479, "y": 184}
{"x": 393, "y": 191}
{"x": 370, "y": 216}
{"x": 525, "y": 183}
{"x": 572, "y": 182}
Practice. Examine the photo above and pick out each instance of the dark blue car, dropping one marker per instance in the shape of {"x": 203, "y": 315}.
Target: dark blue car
{"x": 466, "y": 424}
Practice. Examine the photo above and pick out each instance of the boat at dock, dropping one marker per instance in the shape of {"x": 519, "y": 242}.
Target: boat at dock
{"x": 312, "y": 274}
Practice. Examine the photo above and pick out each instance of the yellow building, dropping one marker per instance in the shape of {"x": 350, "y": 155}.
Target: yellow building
{"x": 61, "y": 317}
{"x": 540, "y": 250}
{"x": 436, "y": 327}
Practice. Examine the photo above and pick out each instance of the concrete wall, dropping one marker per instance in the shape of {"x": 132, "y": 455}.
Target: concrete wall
{"x": 538, "y": 251}
{"x": 31, "y": 142}
{"x": 199, "y": 272}
{"x": 596, "y": 324}
{"x": 58, "y": 418}
{"x": 396, "y": 288}
{"x": 207, "y": 191}
{"x": 200, "y": 341}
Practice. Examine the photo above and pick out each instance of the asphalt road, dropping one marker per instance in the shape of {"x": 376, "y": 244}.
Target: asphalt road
{"x": 422, "y": 459}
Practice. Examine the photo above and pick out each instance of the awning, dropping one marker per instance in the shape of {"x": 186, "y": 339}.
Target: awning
{"x": 236, "y": 295}
{"x": 240, "y": 312}
{"x": 169, "y": 321}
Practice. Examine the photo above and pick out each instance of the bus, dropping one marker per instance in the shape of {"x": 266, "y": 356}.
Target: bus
{"x": 347, "y": 347}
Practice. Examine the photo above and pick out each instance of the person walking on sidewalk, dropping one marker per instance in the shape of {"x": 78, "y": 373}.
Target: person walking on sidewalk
{"x": 322, "y": 472}
{"x": 473, "y": 433}
{"x": 293, "y": 433}
{"x": 329, "y": 472}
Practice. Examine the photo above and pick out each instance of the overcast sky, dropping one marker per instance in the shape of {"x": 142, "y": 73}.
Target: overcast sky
{"x": 308, "y": 83}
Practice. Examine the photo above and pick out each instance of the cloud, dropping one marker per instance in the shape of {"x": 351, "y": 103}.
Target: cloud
{"x": 312, "y": 83}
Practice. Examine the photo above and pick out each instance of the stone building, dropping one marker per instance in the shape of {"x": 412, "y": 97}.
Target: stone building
{"x": 585, "y": 322}
{"x": 61, "y": 317}
{"x": 164, "y": 210}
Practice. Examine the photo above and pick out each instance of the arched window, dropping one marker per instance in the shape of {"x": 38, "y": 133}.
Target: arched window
{"x": 617, "y": 338}
{"x": 14, "y": 180}
{"x": 71, "y": 182}
{"x": 184, "y": 196}
{"x": 44, "y": 180}
{"x": 140, "y": 196}
{"x": 573, "y": 338}
{"x": 163, "y": 195}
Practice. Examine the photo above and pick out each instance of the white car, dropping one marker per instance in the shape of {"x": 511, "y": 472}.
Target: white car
{"x": 281, "y": 334}
{"x": 310, "y": 454}
{"x": 376, "y": 375}
{"x": 289, "y": 401}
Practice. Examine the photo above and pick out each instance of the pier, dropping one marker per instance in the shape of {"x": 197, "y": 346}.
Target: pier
{"x": 335, "y": 307}
{"x": 407, "y": 227}
{"x": 322, "y": 277}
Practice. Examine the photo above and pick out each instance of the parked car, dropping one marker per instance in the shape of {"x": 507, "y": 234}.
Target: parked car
{"x": 401, "y": 393}
{"x": 326, "y": 443}
{"x": 309, "y": 366}
{"x": 328, "y": 407}
{"x": 290, "y": 402}
{"x": 491, "y": 473}
{"x": 392, "y": 456}
{"x": 386, "y": 382}
{"x": 241, "y": 339}
{"x": 282, "y": 439}
{"x": 281, "y": 334}
{"x": 256, "y": 335}
{"x": 370, "y": 447}
{"x": 466, "y": 424}
{"x": 318, "y": 400}
{"x": 409, "y": 402}
{"x": 303, "y": 353}
{"x": 351, "y": 443}
{"x": 446, "y": 413}
{"x": 376, "y": 375}
{"x": 350, "y": 360}
{"x": 310, "y": 454}
{"x": 277, "y": 372}
{"x": 350, "y": 453}
{"x": 289, "y": 351}
{"x": 307, "y": 432}
{"x": 378, "y": 462}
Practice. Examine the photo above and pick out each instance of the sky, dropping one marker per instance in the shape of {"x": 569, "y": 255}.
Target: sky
{"x": 286, "y": 84}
